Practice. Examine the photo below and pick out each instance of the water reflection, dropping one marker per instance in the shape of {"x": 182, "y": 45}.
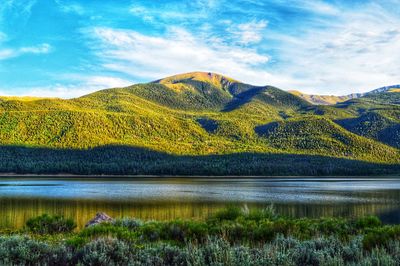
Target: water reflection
{"x": 166, "y": 199}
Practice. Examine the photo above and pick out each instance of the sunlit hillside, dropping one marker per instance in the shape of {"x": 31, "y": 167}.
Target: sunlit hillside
{"x": 207, "y": 114}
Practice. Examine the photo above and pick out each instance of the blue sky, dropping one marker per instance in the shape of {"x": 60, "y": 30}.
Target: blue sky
{"x": 61, "y": 48}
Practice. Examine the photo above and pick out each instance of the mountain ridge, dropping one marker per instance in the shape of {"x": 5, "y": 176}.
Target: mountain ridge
{"x": 318, "y": 99}
{"x": 224, "y": 82}
{"x": 204, "y": 114}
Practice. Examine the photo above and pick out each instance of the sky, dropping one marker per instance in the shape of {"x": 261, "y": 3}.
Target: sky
{"x": 68, "y": 48}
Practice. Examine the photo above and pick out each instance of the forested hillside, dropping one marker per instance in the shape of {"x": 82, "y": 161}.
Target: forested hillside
{"x": 200, "y": 123}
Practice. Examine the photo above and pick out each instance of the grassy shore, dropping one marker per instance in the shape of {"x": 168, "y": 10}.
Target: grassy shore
{"x": 233, "y": 236}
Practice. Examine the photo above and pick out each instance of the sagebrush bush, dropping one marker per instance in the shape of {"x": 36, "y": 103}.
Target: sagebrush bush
{"x": 18, "y": 250}
{"x": 128, "y": 223}
{"x": 105, "y": 252}
{"x": 47, "y": 224}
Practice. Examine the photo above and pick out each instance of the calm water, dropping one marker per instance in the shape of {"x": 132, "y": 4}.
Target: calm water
{"x": 169, "y": 198}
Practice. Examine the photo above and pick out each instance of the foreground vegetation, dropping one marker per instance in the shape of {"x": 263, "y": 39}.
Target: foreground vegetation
{"x": 233, "y": 236}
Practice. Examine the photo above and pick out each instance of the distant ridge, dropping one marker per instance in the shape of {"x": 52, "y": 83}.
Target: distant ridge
{"x": 392, "y": 88}
{"x": 332, "y": 99}
{"x": 324, "y": 99}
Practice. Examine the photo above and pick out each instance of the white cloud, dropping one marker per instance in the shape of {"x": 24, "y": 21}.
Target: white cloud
{"x": 319, "y": 7}
{"x": 82, "y": 86}
{"x": 17, "y": 11}
{"x": 340, "y": 52}
{"x": 179, "y": 11}
{"x": 39, "y": 49}
{"x": 357, "y": 52}
{"x": 106, "y": 82}
{"x": 6, "y": 53}
{"x": 70, "y": 7}
{"x": 56, "y": 91}
{"x": 178, "y": 51}
{"x": 3, "y": 37}
{"x": 248, "y": 33}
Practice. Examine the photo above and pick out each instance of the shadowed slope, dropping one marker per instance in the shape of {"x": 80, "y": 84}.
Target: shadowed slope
{"x": 319, "y": 135}
{"x": 376, "y": 126}
{"x": 123, "y": 160}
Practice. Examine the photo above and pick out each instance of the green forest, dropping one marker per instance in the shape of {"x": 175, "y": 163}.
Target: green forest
{"x": 200, "y": 124}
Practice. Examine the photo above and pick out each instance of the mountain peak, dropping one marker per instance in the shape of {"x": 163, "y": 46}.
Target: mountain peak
{"x": 217, "y": 80}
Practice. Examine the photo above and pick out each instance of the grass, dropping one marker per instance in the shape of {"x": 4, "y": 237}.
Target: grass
{"x": 234, "y": 236}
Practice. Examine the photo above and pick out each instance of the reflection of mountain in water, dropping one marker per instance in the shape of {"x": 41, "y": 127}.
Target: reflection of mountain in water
{"x": 16, "y": 211}
{"x": 187, "y": 198}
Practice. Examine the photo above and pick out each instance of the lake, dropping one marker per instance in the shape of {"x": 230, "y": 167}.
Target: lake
{"x": 195, "y": 198}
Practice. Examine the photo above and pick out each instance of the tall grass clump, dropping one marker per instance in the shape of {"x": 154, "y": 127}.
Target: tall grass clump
{"x": 229, "y": 213}
{"x": 47, "y": 224}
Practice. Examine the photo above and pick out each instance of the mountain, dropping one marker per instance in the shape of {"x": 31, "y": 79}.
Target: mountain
{"x": 199, "y": 123}
{"x": 332, "y": 99}
{"x": 393, "y": 88}
{"x": 377, "y": 115}
{"x": 323, "y": 99}
{"x": 216, "y": 80}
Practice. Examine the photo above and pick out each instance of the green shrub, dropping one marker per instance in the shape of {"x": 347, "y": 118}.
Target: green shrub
{"x": 381, "y": 237}
{"x": 284, "y": 227}
{"x": 197, "y": 231}
{"x": 229, "y": 213}
{"x": 76, "y": 241}
{"x": 107, "y": 230}
{"x": 174, "y": 231}
{"x": 47, "y": 224}
{"x": 150, "y": 231}
{"x": 368, "y": 222}
{"x": 261, "y": 214}
{"x": 264, "y": 232}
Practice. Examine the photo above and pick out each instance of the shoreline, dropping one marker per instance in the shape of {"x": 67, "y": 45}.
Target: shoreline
{"x": 60, "y": 175}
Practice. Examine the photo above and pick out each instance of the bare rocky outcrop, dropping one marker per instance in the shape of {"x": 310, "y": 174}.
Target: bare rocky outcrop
{"x": 100, "y": 217}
